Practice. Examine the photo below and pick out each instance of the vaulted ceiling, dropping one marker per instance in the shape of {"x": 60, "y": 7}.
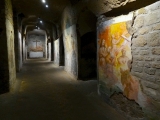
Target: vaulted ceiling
{"x": 34, "y": 9}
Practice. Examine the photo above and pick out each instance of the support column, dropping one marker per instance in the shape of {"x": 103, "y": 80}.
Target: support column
{"x": 53, "y": 38}
{"x": 7, "y": 55}
{"x": 46, "y": 49}
{"x": 17, "y": 41}
{"x": 52, "y": 50}
{"x": 24, "y": 48}
{"x": 49, "y": 51}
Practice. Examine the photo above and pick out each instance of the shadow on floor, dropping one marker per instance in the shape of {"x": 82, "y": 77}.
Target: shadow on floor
{"x": 46, "y": 92}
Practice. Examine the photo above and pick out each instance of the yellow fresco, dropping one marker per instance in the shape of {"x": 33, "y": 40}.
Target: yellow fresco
{"x": 115, "y": 59}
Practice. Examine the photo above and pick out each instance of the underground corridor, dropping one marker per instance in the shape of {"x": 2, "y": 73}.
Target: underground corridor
{"x": 80, "y": 60}
{"x": 45, "y": 91}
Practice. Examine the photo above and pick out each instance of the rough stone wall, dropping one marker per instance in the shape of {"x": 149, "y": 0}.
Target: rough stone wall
{"x": 10, "y": 42}
{"x": 102, "y": 6}
{"x": 70, "y": 40}
{"x": 58, "y": 56}
{"x": 86, "y": 22}
{"x": 54, "y": 32}
{"x": 145, "y": 32}
{"x": 146, "y": 52}
{"x": 76, "y": 23}
{"x": 4, "y": 72}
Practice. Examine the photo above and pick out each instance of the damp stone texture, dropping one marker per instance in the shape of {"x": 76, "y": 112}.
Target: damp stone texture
{"x": 56, "y": 52}
{"x": 7, "y": 59}
{"x": 144, "y": 65}
{"x": 146, "y": 54}
{"x": 70, "y": 41}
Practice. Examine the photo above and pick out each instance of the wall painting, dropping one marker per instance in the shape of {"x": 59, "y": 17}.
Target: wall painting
{"x": 114, "y": 61}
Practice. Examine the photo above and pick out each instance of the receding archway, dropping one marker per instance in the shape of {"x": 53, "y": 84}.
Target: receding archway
{"x": 36, "y": 44}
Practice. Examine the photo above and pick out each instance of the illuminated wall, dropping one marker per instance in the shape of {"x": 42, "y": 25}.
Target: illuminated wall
{"x": 7, "y": 58}
{"x": 128, "y": 57}
{"x": 56, "y": 52}
{"x": 114, "y": 58}
{"x": 36, "y": 43}
{"x": 70, "y": 41}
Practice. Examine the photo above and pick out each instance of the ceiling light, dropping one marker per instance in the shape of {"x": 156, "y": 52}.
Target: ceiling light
{"x": 41, "y": 21}
{"x": 46, "y": 6}
{"x": 43, "y": 1}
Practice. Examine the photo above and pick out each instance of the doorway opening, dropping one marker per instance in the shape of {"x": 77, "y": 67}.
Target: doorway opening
{"x": 88, "y": 56}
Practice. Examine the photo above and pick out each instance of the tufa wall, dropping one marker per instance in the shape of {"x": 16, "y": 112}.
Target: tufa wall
{"x": 4, "y": 72}
{"x": 77, "y": 26}
{"x": 59, "y": 49}
{"x": 7, "y": 63}
{"x": 10, "y": 43}
{"x": 70, "y": 41}
{"x": 146, "y": 55}
{"x": 129, "y": 58}
{"x": 86, "y": 37}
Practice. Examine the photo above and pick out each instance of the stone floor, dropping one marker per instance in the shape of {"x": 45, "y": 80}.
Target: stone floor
{"x": 44, "y": 91}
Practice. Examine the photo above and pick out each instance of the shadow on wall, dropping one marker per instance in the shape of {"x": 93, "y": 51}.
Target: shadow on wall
{"x": 88, "y": 52}
{"x": 4, "y": 80}
{"x": 1, "y": 30}
{"x": 62, "y": 54}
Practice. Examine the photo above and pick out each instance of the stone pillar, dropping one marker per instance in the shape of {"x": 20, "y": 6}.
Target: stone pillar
{"x": 52, "y": 50}
{"x": 7, "y": 57}
{"x": 46, "y": 49}
{"x": 24, "y": 49}
{"x": 49, "y": 51}
{"x": 23, "y": 44}
{"x": 26, "y": 57}
{"x": 17, "y": 41}
{"x": 53, "y": 38}
{"x": 57, "y": 47}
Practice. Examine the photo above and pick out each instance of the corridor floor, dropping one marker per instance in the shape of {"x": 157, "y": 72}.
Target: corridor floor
{"x": 44, "y": 91}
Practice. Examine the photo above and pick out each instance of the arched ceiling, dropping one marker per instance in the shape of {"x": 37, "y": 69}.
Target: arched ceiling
{"x": 34, "y": 9}
{"x": 55, "y": 9}
{"x": 37, "y": 7}
{"x": 37, "y": 32}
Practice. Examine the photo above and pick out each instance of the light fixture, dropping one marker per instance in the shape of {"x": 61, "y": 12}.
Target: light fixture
{"x": 43, "y": 1}
{"x": 46, "y": 6}
{"x": 41, "y": 21}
